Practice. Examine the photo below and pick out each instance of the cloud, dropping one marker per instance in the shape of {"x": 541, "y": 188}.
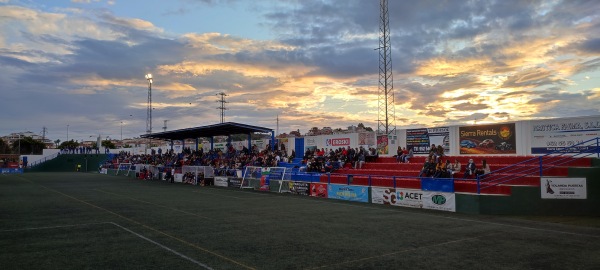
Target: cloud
{"x": 453, "y": 62}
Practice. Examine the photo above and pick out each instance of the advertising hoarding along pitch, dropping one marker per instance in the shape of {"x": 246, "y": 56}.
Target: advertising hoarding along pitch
{"x": 443, "y": 201}
{"x": 318, "y": 190}
{"x": 563, "y": 188}
{"x": 348, "y": 193}
{"x": 397, "y": 197}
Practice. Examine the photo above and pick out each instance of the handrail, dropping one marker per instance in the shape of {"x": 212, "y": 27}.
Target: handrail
{"x": 544, "y": 163}
{"x": 40, "y": 161}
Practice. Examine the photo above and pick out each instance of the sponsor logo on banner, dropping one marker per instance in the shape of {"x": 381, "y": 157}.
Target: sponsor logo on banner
{"x": 103, "y": 171}
{"x": 443, "y": 201}
{"x": 488, "y": 139}
{"x": 563, "y": 134}
{"x": 11, "y": 170}
{"x": 235, "y": 182}
{"x": 221, "y": 181}
{"x": 563, "y": 188}
{"x": 318, "y": 190}
{"x": 337, "y": 142}
{"x": 348, "y": 193}
{"x": 398, "y": 197}
{"x": 300, "y": 188}
{"x": 420, "y": 140}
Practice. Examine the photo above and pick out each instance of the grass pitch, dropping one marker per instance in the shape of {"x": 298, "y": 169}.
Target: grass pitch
{"x": 93, "y": 221}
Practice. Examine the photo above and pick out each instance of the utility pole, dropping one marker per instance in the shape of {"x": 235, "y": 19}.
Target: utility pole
{"x": 222, "y": 107}
{"x": 149, "y": 111}
{"x": 165, "y": 126}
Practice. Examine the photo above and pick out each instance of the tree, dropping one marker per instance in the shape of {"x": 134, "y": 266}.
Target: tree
{"x": 57, "y": 142}
{"x": 4, "y": 147}
{"x": 68, "y": 144}
{"x": 28, "y": 145}
{"x": 108, "y": 144}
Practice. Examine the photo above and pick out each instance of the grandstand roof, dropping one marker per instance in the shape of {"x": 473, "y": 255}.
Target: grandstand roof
{"x": 222, "y": 129}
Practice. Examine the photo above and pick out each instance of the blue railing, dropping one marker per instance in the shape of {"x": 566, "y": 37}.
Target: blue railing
{"x": 40, "y": 161}
{"x": 538, "y": 165}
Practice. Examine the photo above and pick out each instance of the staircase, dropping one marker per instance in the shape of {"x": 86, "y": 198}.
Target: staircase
{"x": 506, "y": 171}
{"x": 69, "y": 162}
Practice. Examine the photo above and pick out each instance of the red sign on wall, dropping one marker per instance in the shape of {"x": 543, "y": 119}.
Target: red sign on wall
{"x": 337, "y": 142}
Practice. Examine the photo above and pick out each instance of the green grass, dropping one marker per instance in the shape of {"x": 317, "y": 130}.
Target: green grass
{"x": 92, "y": 221}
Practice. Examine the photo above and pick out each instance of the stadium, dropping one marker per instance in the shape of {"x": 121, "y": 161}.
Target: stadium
{"x": 111, "y": 213}
{"x": 485, "y": 155}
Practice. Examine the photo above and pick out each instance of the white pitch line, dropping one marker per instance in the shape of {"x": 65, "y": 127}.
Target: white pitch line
{"x": 122, "y": 228}
{"x": 163, "y": 246}
{"x": 55, "y": 227}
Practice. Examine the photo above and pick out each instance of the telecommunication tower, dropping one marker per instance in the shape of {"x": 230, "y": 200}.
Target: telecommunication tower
{"x": 222, "y": 107}
{"x": 386, "y": 118}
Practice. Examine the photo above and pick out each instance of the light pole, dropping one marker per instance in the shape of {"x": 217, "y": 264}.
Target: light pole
{"x": 67, "y": 133}
{"x": 121, "y": 131}
{"x": 149, "y": 109}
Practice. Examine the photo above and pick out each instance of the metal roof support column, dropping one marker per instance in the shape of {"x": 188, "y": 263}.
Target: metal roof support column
{"x": 182, "y": 145}
{"x": 250, "y": 142}
{"x": 197, "y": 144}
{"x": 171, "y": 145}
{"x": 212, "y": 143}
{"x": 272, "y": 140}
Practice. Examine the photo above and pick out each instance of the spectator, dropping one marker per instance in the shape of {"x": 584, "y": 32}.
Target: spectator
{"x": 485, "y": 168}
{"x": 408, "y": 156}
{"x": 428, "y": 168}
{"x": 454, "y": 168}
{"x": 470, "y": 169}
{"x": 360, "y": 160}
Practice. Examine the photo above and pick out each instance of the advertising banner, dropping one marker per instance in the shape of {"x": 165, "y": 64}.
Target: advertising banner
{"x": 443, "y": 201}
{"x": 337, "y": 142}
{"x": 309, "y": 143}
{"x": 421, "y": 139}
{"x": 318, "y": 190}
{"x": 235, "y": 182}
{"x": 300, "y": 188}
{"x": 397, "y": 196}
{"x": 382, "y": 145}
{"x": 366, "y": 138}
{"x": 554, "y": 135}
{"x": 563, "y": 188}
{"x": 11, "y": 170}
{"x": 348, "y": 193}
{"x": 103, "y": 171}
{"x": 221, "y": 181}
{"x": 488, "y": 139}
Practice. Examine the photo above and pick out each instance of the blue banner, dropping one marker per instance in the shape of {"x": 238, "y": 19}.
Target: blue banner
{"x": 349, "y": 193}
{"x": 11, "y": 170}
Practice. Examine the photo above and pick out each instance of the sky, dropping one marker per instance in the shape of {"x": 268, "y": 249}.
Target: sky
{"x": 77, "y": 67}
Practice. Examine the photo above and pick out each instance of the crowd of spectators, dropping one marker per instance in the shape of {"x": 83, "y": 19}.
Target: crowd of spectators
{"x": 80, "y": 150}
{"x": 328, "y": 160}
{"x": 224, "y": 162}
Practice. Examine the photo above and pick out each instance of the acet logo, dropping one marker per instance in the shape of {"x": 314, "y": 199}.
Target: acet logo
{"x": 438, "y": 199}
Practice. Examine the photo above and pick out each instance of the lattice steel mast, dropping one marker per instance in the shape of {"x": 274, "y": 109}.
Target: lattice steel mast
{"x": 386, "y": 117}
{"x": 222, "y": 108}
{"x": 149, "y": 110}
